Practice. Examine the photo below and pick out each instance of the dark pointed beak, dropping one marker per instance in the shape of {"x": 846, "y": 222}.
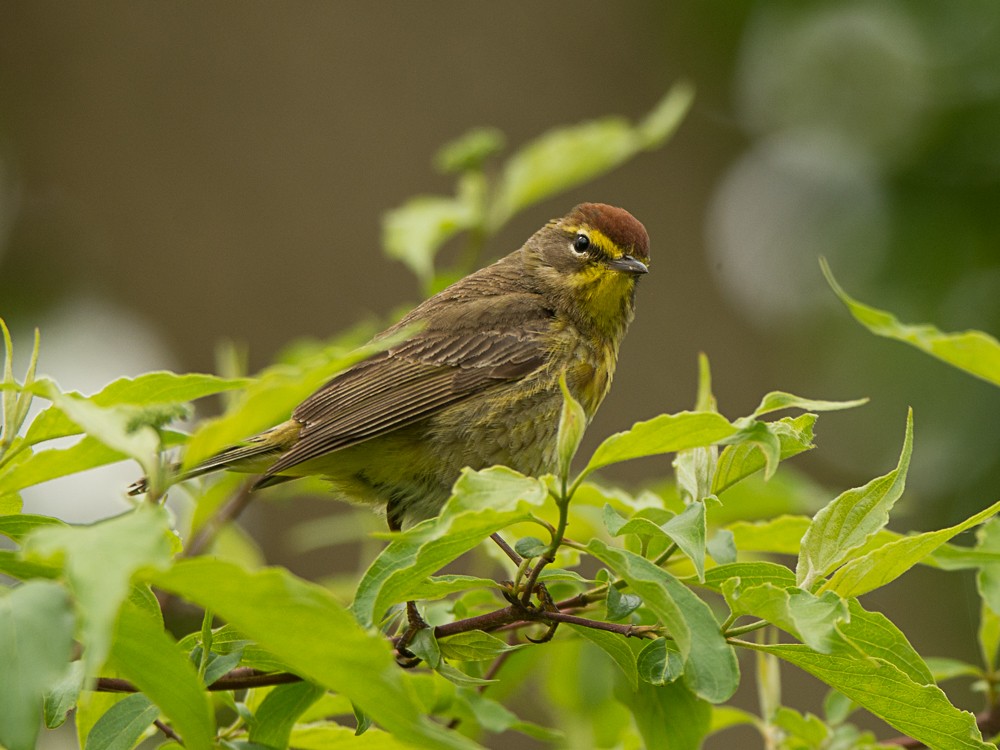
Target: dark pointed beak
{"x": 628, "y": 264}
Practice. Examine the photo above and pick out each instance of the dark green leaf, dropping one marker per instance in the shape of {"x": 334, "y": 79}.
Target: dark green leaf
{"x": 658, "y": 664}
{"x": 669, "y": 716}
{"x": 123, "y": 725}
{"x": 710, "y": 667}
{"x": 530, "y": 546}
{"x": 474, "y": 645}
{"x": 619, "y": 605}
{"x": 148, "y": 657}
{"x": 279, "y": 711}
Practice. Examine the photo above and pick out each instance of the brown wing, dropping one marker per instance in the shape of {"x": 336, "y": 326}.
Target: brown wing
{"x": 408, "y": 383}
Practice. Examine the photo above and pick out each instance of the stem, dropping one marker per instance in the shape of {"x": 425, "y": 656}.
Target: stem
{"x": 170, "y": 733}
{"x": 228, "y": 512}
{"x": 742, "y": 629}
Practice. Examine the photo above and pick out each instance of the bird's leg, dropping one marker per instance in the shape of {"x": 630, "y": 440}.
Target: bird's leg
{"x": 414, "y": 622}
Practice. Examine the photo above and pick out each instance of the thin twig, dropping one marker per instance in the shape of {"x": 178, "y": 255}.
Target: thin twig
{"x": 170, "y": 733}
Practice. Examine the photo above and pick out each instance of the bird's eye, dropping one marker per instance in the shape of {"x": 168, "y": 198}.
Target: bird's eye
{"x": 581, "y": 243}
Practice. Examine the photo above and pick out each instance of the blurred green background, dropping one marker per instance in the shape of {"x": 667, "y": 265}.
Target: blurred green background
{"x": 176, "y": 174}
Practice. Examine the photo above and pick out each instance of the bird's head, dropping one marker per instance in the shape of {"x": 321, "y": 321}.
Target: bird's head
{"x": 591, "y": 260}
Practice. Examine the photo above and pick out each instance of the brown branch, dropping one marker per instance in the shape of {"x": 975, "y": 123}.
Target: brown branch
{"x": 170, "y": 733}
{"x": 240, "y": 678}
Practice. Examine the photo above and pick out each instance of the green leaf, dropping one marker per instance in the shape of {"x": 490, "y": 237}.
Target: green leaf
{"x": 87, "y": 453}
{"x": 474, "y": 645}
{"x": 710, "y": 667}
{"x": 988, "y": 577}
{"x": 687, "y": 530}
{"x": 777, "y": 400}
{"x": 849, "y": 520}
{"x": 100, "y": 560}
{"x": 742, "y": 459}
{"x": 806, "y": 727}
{"x": 658, "y": 664}
{"x": 615, "y": 647}
{"x": 572, "y": 423}
{"x": 619, "y": 605}
{"x": 336, "y": 737}
{"x": 875, "y": 635}
{"x": 124, "y": 724}
{"x": 566, "y": 157}
{"x": 781, "y": 535}
{"x": 18, "y": 526}
{"x": 280, "y": 710}
{"x": 304, "y": 627}
{"x": 530, "y": 546}
{"x": 36, "y": 639}
{"x": 886, "y": 563}
{"x": 148, "y": 657}
{"x": 469, "y": 151}
{"x": 975, "y": 352}
{"x": 750, "y": 574}
{"x": 114, "y": 426}
{"x": 415, "y": 231}
{"x": 666, "y": 433}
{"x": 921, "y": 711}
{"x": 61, "y": 698}
{"x": 669, "y": 716}
{"x": 812, "y": 619}
{"x": 482, "y": 503}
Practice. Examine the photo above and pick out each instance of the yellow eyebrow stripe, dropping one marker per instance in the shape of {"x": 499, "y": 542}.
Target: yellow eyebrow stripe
{"x": 597, "y": 237}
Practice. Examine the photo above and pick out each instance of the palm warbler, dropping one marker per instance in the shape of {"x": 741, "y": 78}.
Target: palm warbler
{"x": 477, "y": 384}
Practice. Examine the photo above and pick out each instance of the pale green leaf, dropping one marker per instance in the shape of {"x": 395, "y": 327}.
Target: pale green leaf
{"x": 749, "y": 573}
{"x": 666, "y": 433}
{"x": 781, "y": 535}
{"x": 975, "y": 352}
{"x": 305, "y": 627}
{"x": 920, "y": 711}
{"x": 849, "y": 520}
{"x": 616, "y": 648}
{"x": 10, "y": 503}
{"x": 688, "y": 530}
{"x": 812, "y": 619}
{"x": 36, "y": 637}
{"x": 413, "y": 232}
{"x": 874, "y": 634}
{"x": 884, "y": 564}
{"x": 100, "y": 560}
{"x": 566, "y": 157}
{"x": 124, "y": 724}
{"x": 738, "y": 461}
{"x": 332, "y": 736}
{"x": 777, "y": 400}
{"x": 710, "y": 667}
{"x": 482, "y": 502}
{"x": 469, "y": 151}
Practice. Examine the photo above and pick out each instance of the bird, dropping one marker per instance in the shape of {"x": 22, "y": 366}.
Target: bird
{"x": 476, "y": 384}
